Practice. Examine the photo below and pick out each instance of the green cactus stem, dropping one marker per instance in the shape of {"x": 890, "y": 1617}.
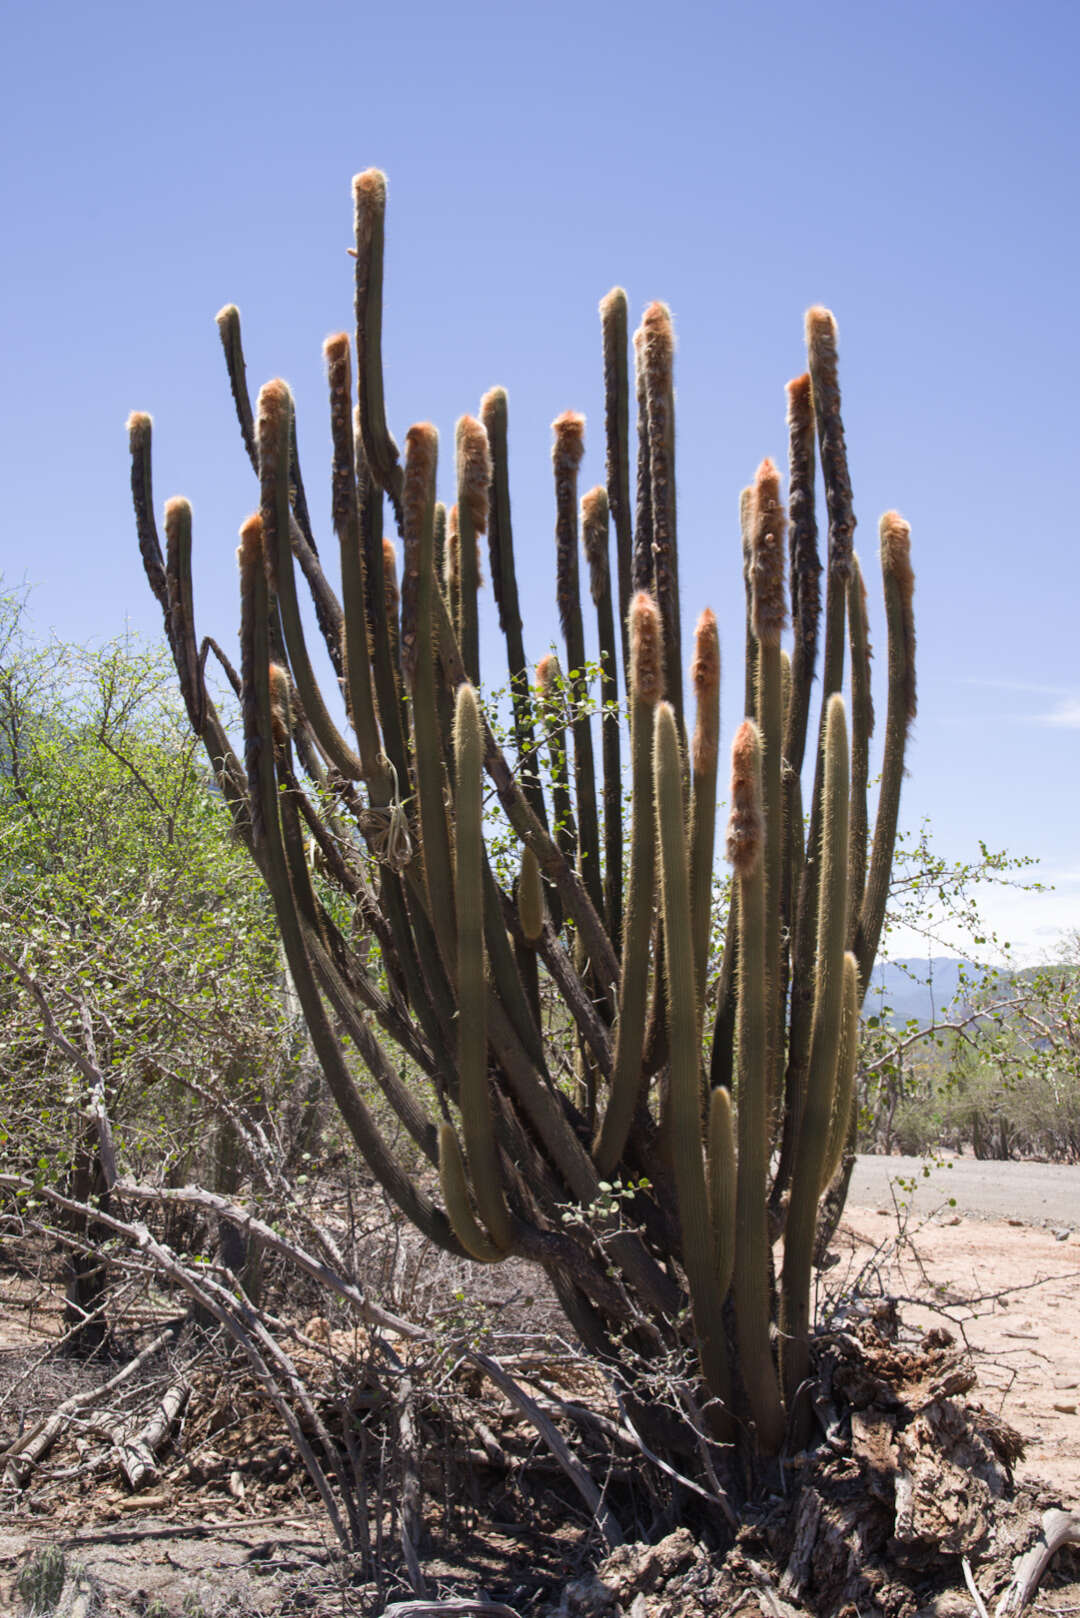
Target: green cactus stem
{"x": 646, "y": 687}
{"x": 806, "y": 1180}
{"x": 614, "y": 329}
{"x": 658, "y": 365}
{"x": 862, "y": 728}
{"x": 642, "y": 574}
{"x": 705, "y": 677}
{"x": 895, "y": 536}
{"x": 274, "y": 438}
{"x": 473, "y": 478}
{"x": 746, "y": 849}
{"x": 418, "y": 658}
{"x": 494, "y": 410}
{"x": 476, "y": 1114}
{"x": 805, "y": 564}
{"x": 723, "y": 1173}
{"x": 327, "y": 610}
{"x": 568, "y": 447}
{"x": 687, "y": 1145}
{"x": 380, "y": 451}
{"x": 258, "y": 725}
{"x": 455, "y": 1189}
{"x": 843, "y": 1107}
{"x": 594, "y": 538}
{"x": 767, "y": 524}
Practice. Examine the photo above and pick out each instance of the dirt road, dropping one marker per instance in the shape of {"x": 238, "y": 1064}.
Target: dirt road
{"x": 1045, "y": 1194}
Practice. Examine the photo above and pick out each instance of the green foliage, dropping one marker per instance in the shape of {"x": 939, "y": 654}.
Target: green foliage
{"x": 124, "y": 898}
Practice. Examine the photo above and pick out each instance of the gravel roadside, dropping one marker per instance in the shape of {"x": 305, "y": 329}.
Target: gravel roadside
{"x": 1046, "y": 1194}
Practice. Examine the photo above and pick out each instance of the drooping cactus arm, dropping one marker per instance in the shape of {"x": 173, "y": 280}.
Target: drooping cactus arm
{"x": 747, "y": 843}
{"x": 899, "y": 589}
{"x": 493, "y": 414}
{"x": 594, "y": 535}
{"x": 455, "y": 1189}
{"x": 805, "y": 564}
{"x": 615, "y": 330}
{"x": 809, "y": 1156}
{"x": 258, "y": 728}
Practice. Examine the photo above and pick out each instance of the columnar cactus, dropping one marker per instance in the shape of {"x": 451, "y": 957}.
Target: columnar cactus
{"x": 716, "y": 1161}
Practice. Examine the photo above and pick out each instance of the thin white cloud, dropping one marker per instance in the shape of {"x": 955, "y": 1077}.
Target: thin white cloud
{"x": 1029, "y": 687}
{"x": 1066, "y": 716}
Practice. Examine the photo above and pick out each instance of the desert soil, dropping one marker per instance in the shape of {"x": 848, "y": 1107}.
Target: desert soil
{"x": 1000, "y": 1269}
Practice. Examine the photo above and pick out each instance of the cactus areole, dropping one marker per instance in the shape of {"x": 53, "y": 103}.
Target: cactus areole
{"x": 655, "y": 1185}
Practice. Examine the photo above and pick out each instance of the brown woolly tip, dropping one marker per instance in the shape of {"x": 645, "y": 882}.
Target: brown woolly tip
{"x": 548, "y": 675}
{"x": 249, "y": 551}
{"x": 768, "y": 522}
{"x": 493, "y": 405}
{"x": 746, "y": 828}
{"x": 453, "y": 547}
{"x": 612, "y": 304}
{"x": 658, "y": 346}
{"x": 138, "y": 424}
{"x": 594, "y": 539}
{"x": 646, "y": 650}
{"x": 227, "y": 316}
{"x": 821, "y": 341}
{"x": 473, "y": 470}
{"x": 896, "y": 562}
{"x": 280, "y": 704}
{"x": 800, "y": 397}
{"x": 336, "y": 348}
{"x": 569, "y": 445}
{"x": 369, "y": 188}
{"x": 421, "y": 459}
{"x": 705, "y": 673}
{"x": 705, "y": 668}
{"x": 177, "y": 511}
{"x": 390, "y": 578}
{"x": 274, "y": 414}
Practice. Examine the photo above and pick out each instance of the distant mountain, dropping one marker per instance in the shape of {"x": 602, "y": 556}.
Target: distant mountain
{"x": 914, "y": 988}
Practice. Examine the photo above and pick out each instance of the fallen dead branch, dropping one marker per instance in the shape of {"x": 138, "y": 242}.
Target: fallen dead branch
{"x": 25, "y": 1454}
{"x": 137, "y": 1453}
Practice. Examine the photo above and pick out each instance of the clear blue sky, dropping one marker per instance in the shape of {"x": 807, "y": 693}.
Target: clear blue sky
{"x": 914, "y": 167}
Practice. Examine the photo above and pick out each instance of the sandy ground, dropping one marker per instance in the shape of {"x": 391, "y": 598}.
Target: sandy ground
{"x": 1011, "y": 1292}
